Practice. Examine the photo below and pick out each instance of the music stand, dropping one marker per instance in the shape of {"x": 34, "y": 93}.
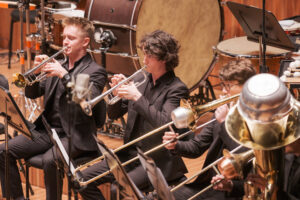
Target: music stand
{"x": 249, "y": 19}
{"x": 156, "y": 177}
{"x": 66, "y": 160}
{"x": 127, "y": 188}
{"x": 14, "y": 118}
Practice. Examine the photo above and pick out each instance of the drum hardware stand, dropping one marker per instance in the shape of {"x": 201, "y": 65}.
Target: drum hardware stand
{"x": 205, "y": 89}
{"x": 263, "y": 68}
{"x": 113, "y": 129}
{"x": 43, "y": 38}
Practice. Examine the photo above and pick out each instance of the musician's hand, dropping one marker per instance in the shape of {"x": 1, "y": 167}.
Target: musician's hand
{"x": 129, "y": 91}
{"x": 38, "y": 60}
{"x": 54, "y": 68}
{"x": 115, "y": 80}
{"x": 257, "y": 181}
{"x": 222, "y": 184}
{"x": 221, "y": 113}
{"x": 168, "y": 136}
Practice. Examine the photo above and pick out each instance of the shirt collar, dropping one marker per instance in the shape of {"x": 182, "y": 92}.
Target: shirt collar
{"x": 77, "y": 63}
{"x": 165, "y": 77}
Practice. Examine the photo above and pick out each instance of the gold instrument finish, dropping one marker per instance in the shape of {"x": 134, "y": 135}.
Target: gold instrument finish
{"x": 182, "y": 117}
{"x": 266, "y": 118}
{"x": 215, "y": 104}
{"x": 29, "y": 78}
{"x": 87, "y": 106}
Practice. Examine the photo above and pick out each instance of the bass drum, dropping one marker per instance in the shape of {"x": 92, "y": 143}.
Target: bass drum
{"x": 196, "y": 24}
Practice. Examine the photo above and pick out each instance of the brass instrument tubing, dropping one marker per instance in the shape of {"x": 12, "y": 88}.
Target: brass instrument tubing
{"x": 203, "y": 170}
{"x": 146, "y": 153}
{"x": 127, "y": 144}
{"x": 44, "y": 61}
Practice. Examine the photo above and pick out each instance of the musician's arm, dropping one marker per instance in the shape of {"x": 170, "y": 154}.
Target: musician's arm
{"x": 196, "y": 146}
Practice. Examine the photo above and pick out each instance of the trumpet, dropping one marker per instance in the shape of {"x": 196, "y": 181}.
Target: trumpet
{"x": 88, "y": 105}
{"x": 181, "y": 118}
{"x": 28, "y": 78}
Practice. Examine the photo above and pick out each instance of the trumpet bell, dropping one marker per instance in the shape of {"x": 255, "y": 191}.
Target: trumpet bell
{"x": 266, "y": 116}
{"x": 19, "y": 80}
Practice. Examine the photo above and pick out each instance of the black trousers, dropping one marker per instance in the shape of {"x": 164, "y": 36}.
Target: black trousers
{"x": 187, "y": 191}
{"x": 91, "y": 192}
{"x": 23, "y": 147}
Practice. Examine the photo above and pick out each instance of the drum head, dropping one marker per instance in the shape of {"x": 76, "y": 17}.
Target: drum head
{"x": 241, "y": 47}
{"x": 196, "y": 24}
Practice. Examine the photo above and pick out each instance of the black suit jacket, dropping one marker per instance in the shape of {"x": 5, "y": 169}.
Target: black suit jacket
{"x": 292, "y": 193}
{"x": 82, "y": 126}
{"x": 155, "y": 112}
{"x": 213, "y": 138}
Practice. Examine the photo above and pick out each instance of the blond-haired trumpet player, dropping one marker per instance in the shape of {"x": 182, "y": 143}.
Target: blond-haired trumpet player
{"x": 76, "y": 37}
{"x": 149, "y": 106}
{"x": 213, "y": 137}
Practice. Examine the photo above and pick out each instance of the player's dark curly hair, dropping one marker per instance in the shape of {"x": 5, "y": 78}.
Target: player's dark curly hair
{"x": 163, "y": 46}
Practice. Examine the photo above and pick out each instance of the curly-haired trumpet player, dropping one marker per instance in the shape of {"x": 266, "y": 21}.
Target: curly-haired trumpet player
{"x": 76, "y": 37}
{"x": 149, "y": 106}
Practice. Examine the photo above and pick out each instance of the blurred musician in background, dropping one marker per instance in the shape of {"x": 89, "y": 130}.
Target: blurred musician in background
{"x": 149, "y": 106}
{"x": 61, "y": 117}
{"x": 214, "y": 136}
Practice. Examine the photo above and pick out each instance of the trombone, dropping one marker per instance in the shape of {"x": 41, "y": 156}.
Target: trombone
{"x": 88, "y": 105}
{"x": 230, "y": 165}
{"x": 23, "y": 80}
{"x": 181, "y": 118}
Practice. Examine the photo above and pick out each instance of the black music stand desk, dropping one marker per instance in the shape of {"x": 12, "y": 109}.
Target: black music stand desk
{"x": 156, "y": 177}
{"x": 249, "y": 18}
{"x": 14, "y": 118}
{"x": 127, "y": 188}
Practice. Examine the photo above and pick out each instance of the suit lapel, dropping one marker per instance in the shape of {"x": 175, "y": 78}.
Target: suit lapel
{"x": 160, "y": 89}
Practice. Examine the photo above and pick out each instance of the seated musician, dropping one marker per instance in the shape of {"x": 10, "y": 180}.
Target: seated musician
{"x": 291, "y": 182}
{"x": 149, "y": 106}
{"x": 213, "y": 137}
{"x": 61, "y": 115}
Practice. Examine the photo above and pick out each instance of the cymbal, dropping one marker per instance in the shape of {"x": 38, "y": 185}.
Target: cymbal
{"x": 13, "y": 4}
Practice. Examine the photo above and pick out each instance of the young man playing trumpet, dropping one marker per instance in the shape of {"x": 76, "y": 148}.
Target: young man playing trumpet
{"x": 65, "y": 118}
{"x": 213, "y": 137}
{"x": 149, "y": 106}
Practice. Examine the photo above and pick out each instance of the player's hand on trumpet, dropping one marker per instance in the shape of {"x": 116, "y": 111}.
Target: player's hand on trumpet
{"x": 168, "y": 136}
{"x": 54, "y": 68}
{"x": 38, "y": 60}
{"x": 129, "y": 91}
{"x": 117, "y": 78}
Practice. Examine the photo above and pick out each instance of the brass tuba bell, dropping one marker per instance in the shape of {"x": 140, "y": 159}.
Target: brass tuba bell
{"x": 266, "y": 118}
